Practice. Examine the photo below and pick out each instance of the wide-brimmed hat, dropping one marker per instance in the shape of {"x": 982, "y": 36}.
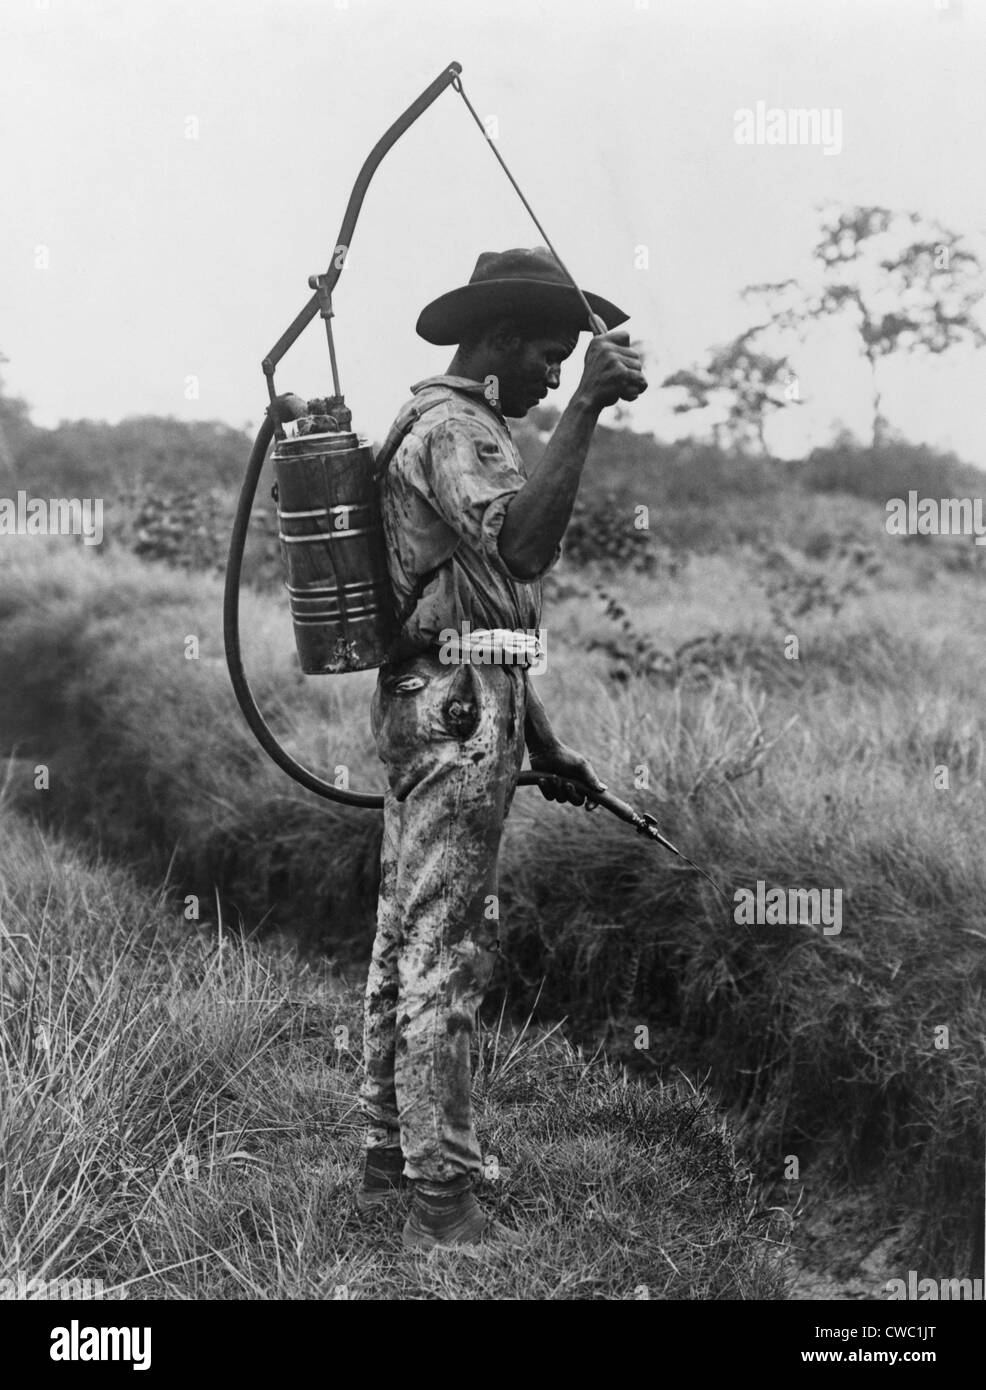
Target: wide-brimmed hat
{"x": 528, "y": 283}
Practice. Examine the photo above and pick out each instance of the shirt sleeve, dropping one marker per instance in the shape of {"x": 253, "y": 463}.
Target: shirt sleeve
{"x": 471, "y": 482}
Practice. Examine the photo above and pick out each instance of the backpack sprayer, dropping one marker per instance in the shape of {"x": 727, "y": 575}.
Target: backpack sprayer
{"x": 329, "y": 522}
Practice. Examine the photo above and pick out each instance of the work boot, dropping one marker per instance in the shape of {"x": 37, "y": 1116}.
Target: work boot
{"x": 447, "y": 1214}
{"x": 383, "y": 1176}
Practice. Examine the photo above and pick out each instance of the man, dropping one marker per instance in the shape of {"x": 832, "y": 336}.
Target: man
{"x": 469, "y": 539}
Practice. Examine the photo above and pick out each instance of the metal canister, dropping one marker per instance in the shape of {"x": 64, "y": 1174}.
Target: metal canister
{"x": 334, "y": 553}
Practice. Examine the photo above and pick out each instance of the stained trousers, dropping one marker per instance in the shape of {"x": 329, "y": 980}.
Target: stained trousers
{"x": 451, "y": 738}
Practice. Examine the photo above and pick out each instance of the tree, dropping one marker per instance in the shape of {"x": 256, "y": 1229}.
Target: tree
{"x": 15, "y": 426}
{"x": 743, "y": 381}
{"x": 907, "y": 284}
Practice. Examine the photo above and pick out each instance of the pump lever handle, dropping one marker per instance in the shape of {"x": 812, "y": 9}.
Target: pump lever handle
{"x": 343, "y": 240}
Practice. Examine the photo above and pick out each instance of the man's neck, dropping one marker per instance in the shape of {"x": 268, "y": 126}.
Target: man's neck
{"x": 469, "y": 366}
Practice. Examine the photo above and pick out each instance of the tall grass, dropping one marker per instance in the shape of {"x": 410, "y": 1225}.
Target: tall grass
{"x": 148, "y": 753}
{"x": 178, "y": 1120}
{"x": 818, "y": 772}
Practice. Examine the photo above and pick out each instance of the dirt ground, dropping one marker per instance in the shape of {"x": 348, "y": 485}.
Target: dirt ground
{"x": 841, "y": 1251}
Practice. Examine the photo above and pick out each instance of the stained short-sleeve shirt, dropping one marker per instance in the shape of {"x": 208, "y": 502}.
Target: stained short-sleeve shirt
{"x": 444, "y": 496}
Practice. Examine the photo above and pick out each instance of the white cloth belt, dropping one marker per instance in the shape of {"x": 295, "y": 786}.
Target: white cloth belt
{"x": 497, "y": 646}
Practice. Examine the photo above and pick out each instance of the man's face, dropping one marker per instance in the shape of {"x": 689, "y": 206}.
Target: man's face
{"x": 531, "y": 367}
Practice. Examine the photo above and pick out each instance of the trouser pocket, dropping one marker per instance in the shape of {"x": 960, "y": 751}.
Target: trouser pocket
{"x": 422, "y": 701}
{"x": 461, "y": 705}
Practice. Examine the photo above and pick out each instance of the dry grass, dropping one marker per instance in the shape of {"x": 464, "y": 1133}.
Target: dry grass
{"x": 178, "y": 1120}
{"x": 811, "y": 773}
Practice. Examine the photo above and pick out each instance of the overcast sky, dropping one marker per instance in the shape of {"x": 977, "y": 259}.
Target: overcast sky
{"x": 173, "y": 172}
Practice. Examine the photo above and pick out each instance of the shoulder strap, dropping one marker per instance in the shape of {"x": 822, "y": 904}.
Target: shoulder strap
{"x": 401, "y": 427}
{"x": 405, "y": 422}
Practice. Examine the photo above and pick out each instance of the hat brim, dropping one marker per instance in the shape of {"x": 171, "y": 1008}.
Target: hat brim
{"x": 449, "y": 318}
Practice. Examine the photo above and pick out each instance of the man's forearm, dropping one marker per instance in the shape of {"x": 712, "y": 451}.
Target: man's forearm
{"x": 538, "y": 514}
{"x": 538, "y": 733}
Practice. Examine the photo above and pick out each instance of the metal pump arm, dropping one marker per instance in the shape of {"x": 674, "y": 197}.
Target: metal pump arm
{"x": 328, "y": 281}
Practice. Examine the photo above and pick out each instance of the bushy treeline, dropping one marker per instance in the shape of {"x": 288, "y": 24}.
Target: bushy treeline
{"x": 96, "y": 459}
{"x": 161, "y": 454}
{"x": 689, "y": 472}
{"x": 170, "y": 489}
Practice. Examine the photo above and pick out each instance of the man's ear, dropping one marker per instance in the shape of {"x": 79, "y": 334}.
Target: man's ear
{"x": 506, "y": 336}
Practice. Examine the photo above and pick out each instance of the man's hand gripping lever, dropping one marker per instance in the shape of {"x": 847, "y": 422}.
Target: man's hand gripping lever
{"x": 613, "y": 370}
